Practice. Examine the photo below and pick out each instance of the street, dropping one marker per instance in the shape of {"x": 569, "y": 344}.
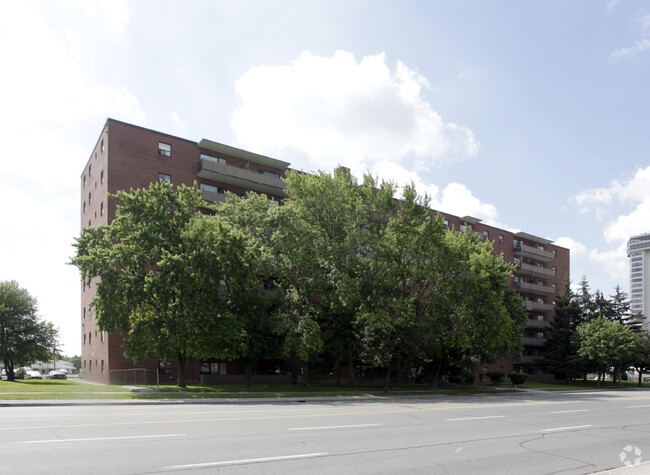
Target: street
{"x": 532, "y": 433}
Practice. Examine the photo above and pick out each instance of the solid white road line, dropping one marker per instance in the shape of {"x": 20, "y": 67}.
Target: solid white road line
{"x": 242, "y": 461}
{"x": 99, "y": 438}
{"x": 636, "y": 407}
{"x": 473, "y": 418}
{"x": 566, "y": 428}
{"x": 568, "y": 412}
{"x": 335, "y": 427}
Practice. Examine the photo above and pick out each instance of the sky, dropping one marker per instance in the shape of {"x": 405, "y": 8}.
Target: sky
{"x": 530, "y": 115}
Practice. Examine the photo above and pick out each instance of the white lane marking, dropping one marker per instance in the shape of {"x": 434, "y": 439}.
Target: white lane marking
{"x": 566, "y": 428}
{"x": 335, "y": 427}
{"x": 242, "y": 461}
{"x": 635, "y": 407}
{"x": 99, "y": 438}
{"x": 473, "y": 418}
{"x": 567, "y": 412}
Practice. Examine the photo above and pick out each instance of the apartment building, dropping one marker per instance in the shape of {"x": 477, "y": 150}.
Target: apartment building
{"x": 130, "y": 157}
{"x": 638, "y": 251}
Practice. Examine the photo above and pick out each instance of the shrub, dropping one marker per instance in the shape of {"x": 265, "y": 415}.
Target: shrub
{"x": 496, "y": 376}
{"x": 518, "y": 379}
{"x": 461, "y": 376}
{"x": 468, "y": 377}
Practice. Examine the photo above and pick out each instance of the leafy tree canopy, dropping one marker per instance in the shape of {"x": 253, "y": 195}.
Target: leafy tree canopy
{"x": 24, "y": 337}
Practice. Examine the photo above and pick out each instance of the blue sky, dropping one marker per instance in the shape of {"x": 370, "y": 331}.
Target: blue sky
{"x": 532, "y": 116}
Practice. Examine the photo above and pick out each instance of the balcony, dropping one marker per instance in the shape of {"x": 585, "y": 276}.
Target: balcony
{"x": 213, "y": 196}
{"x": 534, "y": 271}
{"x": 538, "y": 324}
{"x": 241, "y": 177}
{"x": 533, "y": 253}
{"x": 531, "y": 341}
{"x": 537, "y": 307}
{"x": 527, "y": 359}
{"x": 536, "y": 289}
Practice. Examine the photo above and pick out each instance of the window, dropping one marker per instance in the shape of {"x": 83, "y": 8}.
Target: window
{"x": 84, "y": 365}
{"x": 540, "y": 318}
{"x": 90, "y": 170}
{"x": 84, "y": 312}
{"x": 84, "y": 338}
{"x": 164, "y": 149}
{"x": 164, "y": 177}
{"x": 210, "y": 158}
{"x": 540, "y": 334}
{"x": 554, "y": 286}
{"x": 101, "y": 336}
{"x": 102, "y": 145}
{"x": 446, "y": 224}
{"x": 90, "y": 338}
{"x": 462, "y": 228}
{"x": 101, "y": 209}
{"x": 84, "y": 206}
{"x": 84, "y": 181}
{"x": 554, "y": 270}
{"x": 212, "y": 188}
{"x": 101, "y": 177}
{"x": 102, "y": 366}
{"x": 486, "y": 235}
{"x": 501, "y": 239}
{"x": 268, "y": 173}
{"x": 89, "y": 198}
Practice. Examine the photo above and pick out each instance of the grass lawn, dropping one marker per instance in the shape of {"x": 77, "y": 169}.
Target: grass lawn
{"x": 581, "y": 386}
{"x": 70, "y": 389}
{"x": 58, "y": 389}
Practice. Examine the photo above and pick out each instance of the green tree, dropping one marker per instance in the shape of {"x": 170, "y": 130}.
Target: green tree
{"x": 74, "y": 360}
{"x": 642, "y": 362}
{"x": 328, "y": 225}
{"x": 150, "y": 281}
{"x": 561, "y": 349}
{"x": 606, "y": 344}
{"x": 235, "y": 246}
{"x": 24, "y": 337}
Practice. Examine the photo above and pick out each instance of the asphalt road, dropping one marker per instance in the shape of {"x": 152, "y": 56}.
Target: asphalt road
{"x": 533, "y": 433}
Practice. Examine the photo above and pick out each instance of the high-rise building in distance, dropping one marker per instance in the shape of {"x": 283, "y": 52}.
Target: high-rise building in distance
{"x": 638, "y": 250}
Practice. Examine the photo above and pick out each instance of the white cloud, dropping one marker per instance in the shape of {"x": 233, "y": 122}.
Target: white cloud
{"x": 51, "y": 92}
{"x": 627, "y": 203}
{"x": 639, "y": 47}
{"x": 338, "y": 110}
{"x": 577, "y": 249}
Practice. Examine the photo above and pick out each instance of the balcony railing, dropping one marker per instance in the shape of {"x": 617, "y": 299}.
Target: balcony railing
{"x": 213, "y": 196}
{"x": 531, "y": 341}
{"x": 534, "y": 271}
{"x": 241, "y": 177}
{"x": 538, "y": 324}
{"x": 533, "y": 252}
{"x": 534, "y": 288}
{"x": 537, "y": 307}
{"x": 527, "y": 359}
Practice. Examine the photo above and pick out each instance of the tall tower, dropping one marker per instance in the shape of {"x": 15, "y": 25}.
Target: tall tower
{"x": 638, "y": 250}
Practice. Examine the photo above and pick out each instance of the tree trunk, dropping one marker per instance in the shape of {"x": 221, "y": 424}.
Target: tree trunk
{"x": 640, "y": 378}
{"x": 247, "y": 371}
{"x": 305, "y": 374}
{"x": 436, "y": 374}
{"x": 351, "y": 368}
{"x": 387, "y": 381}
{"x": 181, "y": 370}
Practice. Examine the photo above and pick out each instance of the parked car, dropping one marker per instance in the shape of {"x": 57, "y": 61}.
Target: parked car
{"x": 62, "y": 370}
{"x": 31, "y": 374}
{"x": 56, "y": 375}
